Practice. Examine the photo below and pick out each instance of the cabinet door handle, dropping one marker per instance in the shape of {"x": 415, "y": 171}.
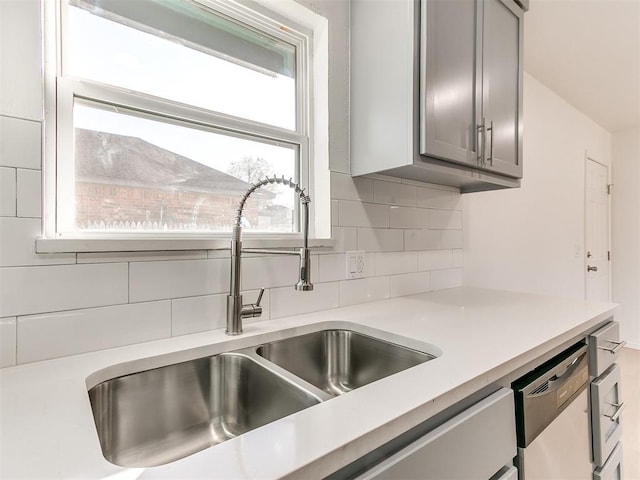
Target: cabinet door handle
{"x": 480, "y": 143}
{"x": 490, "y": 130}
{"x": 591, "y": 269}
{"x": 616, "y": 414}
{"x": 618, "y": 346}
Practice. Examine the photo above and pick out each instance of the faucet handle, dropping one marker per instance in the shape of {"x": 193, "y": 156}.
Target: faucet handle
{"x": 252, "y": 309}
{"x": 259, "y": 297}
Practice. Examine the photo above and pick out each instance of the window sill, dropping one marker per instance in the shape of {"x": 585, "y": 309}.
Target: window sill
{"x": 94, "y": 245}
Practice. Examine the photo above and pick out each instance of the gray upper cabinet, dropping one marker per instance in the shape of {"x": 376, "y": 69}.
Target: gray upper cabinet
{"x": 502, "y": 38}
{"x": 436, "y": 91}
{"x": 449, "y": 81}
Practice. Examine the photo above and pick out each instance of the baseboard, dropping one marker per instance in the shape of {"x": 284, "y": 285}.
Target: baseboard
{"x": 634, "y": 346}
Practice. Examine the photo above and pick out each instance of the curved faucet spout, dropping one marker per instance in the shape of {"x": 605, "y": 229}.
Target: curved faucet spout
{"x": 236, "y": 311}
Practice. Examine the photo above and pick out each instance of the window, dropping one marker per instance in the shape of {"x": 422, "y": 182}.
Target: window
{"x": 167, "y": 110}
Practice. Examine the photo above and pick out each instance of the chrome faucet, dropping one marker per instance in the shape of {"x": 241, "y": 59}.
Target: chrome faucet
{"x": 236, "y": 310}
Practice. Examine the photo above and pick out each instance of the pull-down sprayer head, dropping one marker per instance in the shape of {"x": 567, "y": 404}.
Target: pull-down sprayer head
{"x": 236, "y": 310}
{"x": 304, "y": 281}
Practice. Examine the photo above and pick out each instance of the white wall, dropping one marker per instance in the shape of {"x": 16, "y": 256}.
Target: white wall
{"x": 532, "y": 239}
{"x": 57, "y": 305}
{"x": 625, "y": 153}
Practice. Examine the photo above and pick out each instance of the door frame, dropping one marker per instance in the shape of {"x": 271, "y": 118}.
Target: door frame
{"x": 589, "y": 158}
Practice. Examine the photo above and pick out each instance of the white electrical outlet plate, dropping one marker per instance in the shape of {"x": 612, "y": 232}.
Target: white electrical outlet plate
{"x": 356, "y": 264}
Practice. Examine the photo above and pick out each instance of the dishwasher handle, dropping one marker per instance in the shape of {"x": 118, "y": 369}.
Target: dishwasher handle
{"x": 558, "y": 377}
{"x": 569, "y": 371}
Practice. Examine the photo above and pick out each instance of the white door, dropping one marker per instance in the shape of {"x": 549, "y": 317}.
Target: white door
{"x": 597, "y": 232}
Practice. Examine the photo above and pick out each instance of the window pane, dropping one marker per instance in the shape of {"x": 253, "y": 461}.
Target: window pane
{"x": 136, "y": 174}
{"x": 183, "y": 53}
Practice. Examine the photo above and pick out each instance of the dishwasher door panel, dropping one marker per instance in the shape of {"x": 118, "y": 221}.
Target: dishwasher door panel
{"x": 562, "y": 450}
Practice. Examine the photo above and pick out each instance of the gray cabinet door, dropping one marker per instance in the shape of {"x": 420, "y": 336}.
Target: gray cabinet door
{"x": 612, "y": 469}
{"x": 606, "y": 407}
{"x": 476, "y": 444}
{"x": 449, "y": 80}
{"x": 502, "y": 38}
{"x": 604, "y": 346}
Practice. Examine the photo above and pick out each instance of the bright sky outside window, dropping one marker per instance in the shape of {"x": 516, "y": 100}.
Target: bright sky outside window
{"x": 116, "y": 54}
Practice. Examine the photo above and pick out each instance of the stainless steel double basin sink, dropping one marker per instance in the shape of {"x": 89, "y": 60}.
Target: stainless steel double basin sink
{"x": 157, "y": 416}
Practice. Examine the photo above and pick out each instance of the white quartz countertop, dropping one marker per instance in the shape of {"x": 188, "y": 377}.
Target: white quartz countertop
{"x": 47, "y": 429}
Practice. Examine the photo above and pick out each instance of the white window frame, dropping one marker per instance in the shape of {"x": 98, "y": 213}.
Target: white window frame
{"x": 311, "y": 132}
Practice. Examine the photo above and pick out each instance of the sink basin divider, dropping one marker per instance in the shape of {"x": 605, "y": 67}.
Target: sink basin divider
{"x": 321, "y": 395}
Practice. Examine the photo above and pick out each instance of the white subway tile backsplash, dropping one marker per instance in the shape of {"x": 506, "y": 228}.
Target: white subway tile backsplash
{"x": 346, "y": 187}
{"x": 198, "y": 314}
{"x": 67, "y": 333}
{"x": 457, "y": 258}
{"x": 286, "y": 301}
{"x": 57, "y": 309}
{"x": 380, "y": 239}
{"x": 435, "y": 260}
{"x": 394, "y": 193}
{"x": 7, "y": 192}
{"x": 20, "y": 140}
{"x": 438, "y": 198}
{"x": 29, "y": 193}
{"x": 409, "y": 284}
{"x": 344, "y": 238}
{"x": 17, "y": 237}
{"x": 177, "y": 278}
{"x": 29, "y": 290}
{"x": 272, "y": 271}
{"x": 7, "y": 342}
{"x": 441, "y": 279}
{"x": 392, "y": 263}
{"x": 363, "y": 290}
{"x": 332, "y": 268}
{"x": 422, "y": 239}
{"x": 450, "y": 238}
{"x": 445, "y": 220}
{"x": 356, "y": 214}
{"x": 408, "y": 217}
{"x": 432, "y": 239}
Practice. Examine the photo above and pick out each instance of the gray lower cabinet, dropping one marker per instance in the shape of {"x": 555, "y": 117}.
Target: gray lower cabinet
{"x": 604, "y": 347}
{"x": 506, "y": 473}
{"x": 478, "y": 443}
{"x": 612, "y": 469}
{"x": 606, "y": 402}
{"x": 441, "y": 99}
{"x": 606, "y": 408}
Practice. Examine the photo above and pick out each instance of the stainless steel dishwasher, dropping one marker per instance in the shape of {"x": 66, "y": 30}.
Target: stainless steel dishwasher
{"x": 552, "y": 419}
